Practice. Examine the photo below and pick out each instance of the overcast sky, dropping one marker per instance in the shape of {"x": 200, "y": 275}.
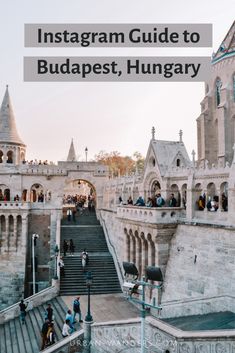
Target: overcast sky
{"x": 103, "y": 116}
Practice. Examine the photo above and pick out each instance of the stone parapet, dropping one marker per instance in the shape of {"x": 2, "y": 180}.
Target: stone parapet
{"x": 165, "y": 337}
{"x": 197, "y": 306}
{"x": 151, "y": 215}
{"x": 35, "y": 300}
{"x": 14, "y": 205}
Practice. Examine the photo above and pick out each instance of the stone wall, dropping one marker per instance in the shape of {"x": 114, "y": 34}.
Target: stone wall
{"x": 12, "y": 276}
{"x": 201, "y": 264}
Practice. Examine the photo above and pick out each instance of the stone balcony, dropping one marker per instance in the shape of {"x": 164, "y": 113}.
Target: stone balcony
{"x": 14, "y": 205}
{"x": 219, "y": 217}
{"x": 150, "y": 214}
{"x": 18, "y": 205}
{"x": 48, "y": 170}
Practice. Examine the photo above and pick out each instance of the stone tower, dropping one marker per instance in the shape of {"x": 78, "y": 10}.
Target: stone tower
{"x": 216, "y": 124}
{"x": 12, "y": 148}
{"x": 71, "y": 155}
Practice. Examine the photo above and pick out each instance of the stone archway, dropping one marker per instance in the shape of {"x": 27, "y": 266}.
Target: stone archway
{"x": 152, "y": 185}
{"x": 79, "y": 192}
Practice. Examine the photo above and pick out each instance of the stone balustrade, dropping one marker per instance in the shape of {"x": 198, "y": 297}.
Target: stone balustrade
{"x": 35, "y": 300}
{"x": 218, "y": 217}
{"x": 150, "y": 214}
{"x": 162, "y": 337}
{"x": 197, "y": 306}
{"x": 14, "y": 205}
{"x": 18, "y": 205}
{"x": 42, "y": 170}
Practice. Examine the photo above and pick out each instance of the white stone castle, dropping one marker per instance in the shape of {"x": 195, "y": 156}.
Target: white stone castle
{"x": 193, "y": 243}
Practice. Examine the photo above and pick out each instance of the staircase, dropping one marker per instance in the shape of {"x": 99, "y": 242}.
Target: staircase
{"x": 87, "y": 233}
{"x": 18, "y": 338}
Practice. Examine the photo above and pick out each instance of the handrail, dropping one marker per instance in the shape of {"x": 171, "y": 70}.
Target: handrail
{"x": 112, "y": 250}
{"x": 12, "y": 311}
{"x": 65, "y": 341}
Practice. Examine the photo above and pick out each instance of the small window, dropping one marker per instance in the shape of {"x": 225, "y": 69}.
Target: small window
{"x": 9, "y": 157}
{"x": 178, "y": 162}
{"x": 218, "y": 91}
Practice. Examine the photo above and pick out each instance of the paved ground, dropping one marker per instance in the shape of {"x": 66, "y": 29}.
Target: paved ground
{"x": 106, "y": 307}
{"x": 214, "y": 321}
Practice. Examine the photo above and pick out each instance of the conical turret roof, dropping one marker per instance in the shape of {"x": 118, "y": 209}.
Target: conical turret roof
{"x": 8, "y": 130}
{"x": 72, "y": 155}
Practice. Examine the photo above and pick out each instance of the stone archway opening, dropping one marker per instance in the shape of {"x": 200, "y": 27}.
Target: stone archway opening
{"x": 79, "y": 193}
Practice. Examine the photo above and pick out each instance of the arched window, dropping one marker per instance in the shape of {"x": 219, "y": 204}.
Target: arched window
{"x": 7, "y": 195}
{"x": 37, "y": 193}
{"x": 1, "y": 155}
{"x": 218, "y": 86}
{"x": 178, "y": 162}
{"x": 9, "y": 157}
{"x": 22, "y": 157}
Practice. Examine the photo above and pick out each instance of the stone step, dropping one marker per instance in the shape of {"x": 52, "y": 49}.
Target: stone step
{"x": 18, "y": 338}
{"x": 101, "y": 263}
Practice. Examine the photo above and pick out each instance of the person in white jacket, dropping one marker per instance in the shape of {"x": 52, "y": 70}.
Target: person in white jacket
{"x": 66, "y": 331}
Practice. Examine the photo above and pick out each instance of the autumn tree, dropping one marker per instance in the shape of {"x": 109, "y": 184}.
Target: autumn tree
{"x": 120, "y": 165}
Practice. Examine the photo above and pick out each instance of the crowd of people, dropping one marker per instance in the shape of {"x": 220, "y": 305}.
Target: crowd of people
{"x": 74, "y": 199}
{"x": 48, "y": 328}
{"x": 79, "y": 201}
{"x": 156, "y": 201}
{"x": 212, "y": 203}
{"x": 37, "y": 162}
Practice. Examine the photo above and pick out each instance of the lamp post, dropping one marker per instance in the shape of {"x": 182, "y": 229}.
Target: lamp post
{"x": 88, "y": 318}
{"x": 86, "y": 151}
{"x": 57, "y": 250}
{"x": 153, "y": 274}
{"x": 34, "y": 238}
{"x": 89, "y": 279}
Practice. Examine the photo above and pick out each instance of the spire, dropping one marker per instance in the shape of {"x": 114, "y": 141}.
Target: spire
{"x": 153, "y": 133}
{"x": 8, "y": 130}
{"x": 181, "y": 135}
{"x": 72, "y": 155}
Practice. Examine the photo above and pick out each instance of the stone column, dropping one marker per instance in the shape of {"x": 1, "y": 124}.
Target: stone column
{"x": 190, "y": 202}
{"x": 24, "y": 234}
{"x": 16, "y": 155}
{"x": 131, "y": 246}
{"x": 14, "y": 238}
{"x": 7, "y": 240}
{"x": 144, "y": 255}
{"x": 138, "y": 254}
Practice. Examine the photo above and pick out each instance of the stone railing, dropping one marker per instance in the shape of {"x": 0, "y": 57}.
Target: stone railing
{"x": 218, "y": 217}
{"x": 150, "y": 214}
{"x": 116, "y": 336}
{"x": 14, "y": 205}
{"x": 108, "y": 337}
{"x": 71, "y": 344}
{"x": 161, "y": 337}
{"x": 19, "y": 205}
{"x": 49, "y": 170}
{"x": 111, "y": 248}
{"x": 35, "y": 300}
{"x": 197, "y": 306}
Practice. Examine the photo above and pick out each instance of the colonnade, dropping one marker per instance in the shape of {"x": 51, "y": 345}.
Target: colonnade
{"x": 13, "y": 230}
